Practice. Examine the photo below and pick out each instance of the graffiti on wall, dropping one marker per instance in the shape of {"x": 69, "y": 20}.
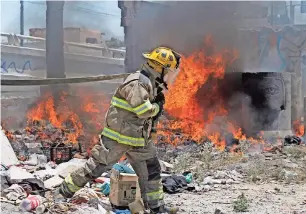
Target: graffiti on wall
{"x": 274, "y": 50}
{"x": 11, "y": 66}
{"x": 270, "y": 56}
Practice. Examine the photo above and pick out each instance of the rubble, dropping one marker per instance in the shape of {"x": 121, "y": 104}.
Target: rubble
{"x": 223, "y": 177}
{"x": 34, "y": 173}
{"x": 17, "y": 174}
{"x": 55, "y": 181}
{"x": 14, "y": 193}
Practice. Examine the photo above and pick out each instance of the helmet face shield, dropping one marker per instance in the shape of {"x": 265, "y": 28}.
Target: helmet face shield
{"x": 178, "y": 59}
{"x": 171, "y": 75}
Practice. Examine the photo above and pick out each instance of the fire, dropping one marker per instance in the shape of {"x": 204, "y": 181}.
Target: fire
{"x": 298, "y": 128}
{"x": 75, "y": 116}
{"x": 189, "y": 100}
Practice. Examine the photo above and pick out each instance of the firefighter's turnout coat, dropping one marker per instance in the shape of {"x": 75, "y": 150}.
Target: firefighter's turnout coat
{"x": 128, "y": 124}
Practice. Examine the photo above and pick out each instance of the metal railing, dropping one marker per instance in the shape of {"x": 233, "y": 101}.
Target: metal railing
{"x": 14, "y": 40}
{"x": 52, "y": 81}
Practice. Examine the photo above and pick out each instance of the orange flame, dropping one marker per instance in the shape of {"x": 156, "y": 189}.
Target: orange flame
{"x": 299, "y": 128}
{"x": 195, "y": 120}
{"x": 81, "y": 115}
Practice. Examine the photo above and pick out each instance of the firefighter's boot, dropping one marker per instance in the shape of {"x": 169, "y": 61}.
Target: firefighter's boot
{"x": 68, "y": 188}
{"x": 165, "y": 210}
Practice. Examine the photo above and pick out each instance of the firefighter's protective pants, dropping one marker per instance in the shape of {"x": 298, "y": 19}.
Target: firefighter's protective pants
{"x": 143, "y": 160}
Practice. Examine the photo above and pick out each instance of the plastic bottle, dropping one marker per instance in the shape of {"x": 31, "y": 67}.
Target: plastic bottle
{"x": 30, "y": 203}
{"x": 188, "y": 178}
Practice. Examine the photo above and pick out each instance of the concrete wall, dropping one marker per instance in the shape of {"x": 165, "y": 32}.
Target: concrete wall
{"x": 278, "y": 50}
{"x": 18, "y": 60}
{"x": 268, "y": 104}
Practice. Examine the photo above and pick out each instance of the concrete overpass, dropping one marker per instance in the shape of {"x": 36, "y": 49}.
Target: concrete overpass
{"x": 80, "y": 59}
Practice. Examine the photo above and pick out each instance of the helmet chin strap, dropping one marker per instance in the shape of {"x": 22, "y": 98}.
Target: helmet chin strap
{"x": 160, "y": 83}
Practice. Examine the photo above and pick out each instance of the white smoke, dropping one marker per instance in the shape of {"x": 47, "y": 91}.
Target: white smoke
{"x": 95, "y": 15}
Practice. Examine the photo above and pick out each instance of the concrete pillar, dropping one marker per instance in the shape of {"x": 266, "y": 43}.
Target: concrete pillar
{"x": 267, "y": 106}
{"x": 297, "y": 108}
{"x": 291, "y": 46}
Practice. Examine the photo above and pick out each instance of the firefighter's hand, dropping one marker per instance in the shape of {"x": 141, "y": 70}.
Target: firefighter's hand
{"x": 160, "y": 99}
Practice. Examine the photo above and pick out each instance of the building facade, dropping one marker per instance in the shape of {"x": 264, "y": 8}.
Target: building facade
{"x": 71, "y": 34}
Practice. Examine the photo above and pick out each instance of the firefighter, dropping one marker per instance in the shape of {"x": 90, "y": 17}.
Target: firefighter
{"x": 129, "y": 125}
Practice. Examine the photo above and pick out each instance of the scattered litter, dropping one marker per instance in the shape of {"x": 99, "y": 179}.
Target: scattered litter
{"x": 30, "y": 179}
{"x": 31, "y": 202}
{"x": 174, "y": 184}
{"x": 33, "y": 160}
{"x": 206, "y": 188}
{"x": 123, "y": 168}
{"x": 165, "y": 166}
{"x": 53, "y": 182}
{"x": 14, "y": 192}
{"x": 84, "y": 195}
{"x": 122, "y": 212}
{"x": 64, "y": 169}
{"x": 289, "y": 140}
{"x": 17, "y": 174}
{"x": 188, "y": 176}
{"x": 223, "y": 177}
{"x": 105, "y": 188}
{"x": 124, "y": 188}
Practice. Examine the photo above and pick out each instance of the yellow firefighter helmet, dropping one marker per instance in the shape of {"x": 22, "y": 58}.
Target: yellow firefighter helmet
{"x": 163, "y": 58}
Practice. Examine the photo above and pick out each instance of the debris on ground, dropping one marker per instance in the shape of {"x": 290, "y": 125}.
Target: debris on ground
{"x": 221, "y": 178}
{"x": 31, "y": 179}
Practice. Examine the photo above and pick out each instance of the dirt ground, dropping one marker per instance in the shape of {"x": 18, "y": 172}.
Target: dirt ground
{"x": 272, "y": 182}
{"x": 262, "y": 199}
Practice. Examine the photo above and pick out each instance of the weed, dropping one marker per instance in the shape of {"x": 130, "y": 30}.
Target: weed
{"x": 241, "y": 204}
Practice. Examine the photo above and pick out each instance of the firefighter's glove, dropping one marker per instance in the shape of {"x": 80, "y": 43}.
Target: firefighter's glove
{"x": 160, "y": 101}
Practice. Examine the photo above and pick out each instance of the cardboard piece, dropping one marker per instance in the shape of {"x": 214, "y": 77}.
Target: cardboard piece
{"x": 8, "y": 156}
{"x": 124, "y": 188}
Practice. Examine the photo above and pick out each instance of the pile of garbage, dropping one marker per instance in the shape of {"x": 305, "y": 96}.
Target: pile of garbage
{"x": 47, "y": 140}
{"x": 30, "y": 182}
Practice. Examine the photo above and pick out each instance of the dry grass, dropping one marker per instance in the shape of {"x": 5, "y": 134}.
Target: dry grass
{"x": 296, "y": 152}
{"x": 205, "y": 161}
{"x": 288, "y": 166}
